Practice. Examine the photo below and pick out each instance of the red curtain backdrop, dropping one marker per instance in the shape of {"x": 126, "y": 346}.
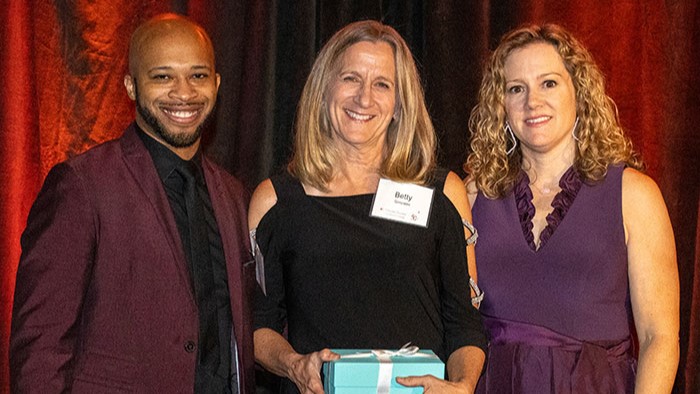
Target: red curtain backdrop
{"x": 62, "y": 64}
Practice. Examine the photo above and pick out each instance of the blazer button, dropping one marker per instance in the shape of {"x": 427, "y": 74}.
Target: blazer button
{"x": 190, "y": 346}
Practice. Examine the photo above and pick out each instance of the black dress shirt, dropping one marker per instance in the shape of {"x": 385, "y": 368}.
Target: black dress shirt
{"x": 214, "y": 372}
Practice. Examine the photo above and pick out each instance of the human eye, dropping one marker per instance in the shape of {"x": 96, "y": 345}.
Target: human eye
{"x": 161, "y": 77}
{"x": 200, "y": 76}
{"x": 550, "y": 83}
{"x": 383, "y": 85}
{"x": 514, "y": 89}
{"x": 349, "y": 78}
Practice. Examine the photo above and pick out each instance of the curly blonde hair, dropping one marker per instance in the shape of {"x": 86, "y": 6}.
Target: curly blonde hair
{"x": 601, "y": 141}
{"x": 410, "y": 140}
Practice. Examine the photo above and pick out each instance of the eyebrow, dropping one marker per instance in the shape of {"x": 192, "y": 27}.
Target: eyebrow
{"x": 355, "y": 72}
{"x": 548, "y": 74}
{"x": 541, "y": 76}
{"x": 168, "y": 68}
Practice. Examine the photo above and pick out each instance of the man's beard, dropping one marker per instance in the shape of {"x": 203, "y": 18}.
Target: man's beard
{"x": 175, "y": 140}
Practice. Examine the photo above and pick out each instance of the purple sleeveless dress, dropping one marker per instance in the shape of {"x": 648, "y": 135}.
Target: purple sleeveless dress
{"x": 558, "y": 317}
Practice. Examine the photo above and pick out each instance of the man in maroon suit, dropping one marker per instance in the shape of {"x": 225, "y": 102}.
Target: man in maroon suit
{"x": 135, "y": 272}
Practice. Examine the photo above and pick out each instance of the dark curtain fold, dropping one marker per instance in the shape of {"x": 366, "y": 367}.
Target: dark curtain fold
{"x": 62, "y": 64}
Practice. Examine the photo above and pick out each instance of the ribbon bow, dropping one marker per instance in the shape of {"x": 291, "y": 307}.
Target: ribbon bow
{"x": 406, "y": 350}
{"x": 385, "y": 364}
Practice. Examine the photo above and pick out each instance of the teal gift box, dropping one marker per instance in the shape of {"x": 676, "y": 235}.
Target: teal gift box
{"x": 361, "y": 371}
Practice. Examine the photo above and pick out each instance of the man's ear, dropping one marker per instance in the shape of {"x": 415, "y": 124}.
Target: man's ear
{"x": 130, "y": 88}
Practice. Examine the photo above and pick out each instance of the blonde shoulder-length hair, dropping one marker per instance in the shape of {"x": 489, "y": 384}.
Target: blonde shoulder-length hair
{"x": 601, "y": 141}
{"x": 410, "y": 139}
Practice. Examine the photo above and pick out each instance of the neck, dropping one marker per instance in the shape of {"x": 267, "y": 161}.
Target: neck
{"x": 357, "y": 172}
{"x": 185, "y": 153}
{"x": 545, "y": 169}
{"x": 367, "y": 156}
{"x": 354, "y": 178}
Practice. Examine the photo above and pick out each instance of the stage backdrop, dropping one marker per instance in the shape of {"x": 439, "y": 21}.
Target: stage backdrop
{"x": 62, "y": 64}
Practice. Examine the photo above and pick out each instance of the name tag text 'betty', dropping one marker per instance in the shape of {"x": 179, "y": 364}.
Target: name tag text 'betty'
{"x": 403, "y": 196}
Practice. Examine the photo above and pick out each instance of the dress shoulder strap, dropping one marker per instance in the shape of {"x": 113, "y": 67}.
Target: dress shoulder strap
{"x": 286, "y": 186}
{"x": 437, "y": 180}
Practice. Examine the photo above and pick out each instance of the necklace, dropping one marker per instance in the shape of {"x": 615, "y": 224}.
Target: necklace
{"x": 545, "y": 190}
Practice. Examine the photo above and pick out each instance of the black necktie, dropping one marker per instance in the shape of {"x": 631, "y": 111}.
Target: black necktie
{"x": 201, "y": 266}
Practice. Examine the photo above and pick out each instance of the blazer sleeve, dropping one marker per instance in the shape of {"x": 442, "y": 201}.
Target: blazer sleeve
{"x": 58, "y": 247}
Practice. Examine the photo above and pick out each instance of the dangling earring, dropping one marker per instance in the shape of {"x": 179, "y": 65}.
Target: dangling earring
{"x": 509, "y": 132}
{"x": 573, "y": 131}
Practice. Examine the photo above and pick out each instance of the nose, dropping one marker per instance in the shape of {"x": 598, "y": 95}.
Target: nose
{"x": 364, "y": 95}
{"x": 534, "y": 99}
{"x": 183, "y": 90}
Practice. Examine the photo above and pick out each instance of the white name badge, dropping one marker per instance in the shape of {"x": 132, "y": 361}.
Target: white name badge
{"x": 402, "y": 202}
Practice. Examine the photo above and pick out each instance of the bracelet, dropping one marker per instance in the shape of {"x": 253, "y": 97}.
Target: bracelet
{"x": 476, "y": 300}
{"x": 475, "y": 235}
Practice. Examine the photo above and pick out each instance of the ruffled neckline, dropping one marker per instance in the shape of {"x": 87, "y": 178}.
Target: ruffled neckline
{"x": 570, "y": 184}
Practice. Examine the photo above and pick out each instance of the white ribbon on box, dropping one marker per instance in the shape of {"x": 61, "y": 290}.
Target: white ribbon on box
{"x": 385, "y": 364}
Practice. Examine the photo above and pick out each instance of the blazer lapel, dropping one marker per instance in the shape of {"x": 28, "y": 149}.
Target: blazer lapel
{"x": 227, "y": 221}
{"x": 229, "y": 209}
{"x": 141, "y": 167}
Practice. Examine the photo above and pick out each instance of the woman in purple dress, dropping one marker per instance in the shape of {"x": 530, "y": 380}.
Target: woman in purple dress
{"x": 575, "y": 242}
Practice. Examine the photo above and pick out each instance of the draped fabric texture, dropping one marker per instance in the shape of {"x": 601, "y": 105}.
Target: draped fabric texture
{"x": 62, "y": 65}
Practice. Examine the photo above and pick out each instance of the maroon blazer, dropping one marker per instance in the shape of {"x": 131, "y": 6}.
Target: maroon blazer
{"x": 103, "y": 301}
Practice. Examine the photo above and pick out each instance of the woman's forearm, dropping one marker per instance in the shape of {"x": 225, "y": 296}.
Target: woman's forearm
{"x": 272, "y": 351}
{"x": 658, "y": 363}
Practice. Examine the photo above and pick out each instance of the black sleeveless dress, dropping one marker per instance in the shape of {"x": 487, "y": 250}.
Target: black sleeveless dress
{"x": 338, "y": 278}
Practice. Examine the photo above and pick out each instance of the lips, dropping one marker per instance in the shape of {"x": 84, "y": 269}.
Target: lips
{"x": 359, "y": 117}
{"x": 537, "y": 120}
{"x": 182, "y": 115}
